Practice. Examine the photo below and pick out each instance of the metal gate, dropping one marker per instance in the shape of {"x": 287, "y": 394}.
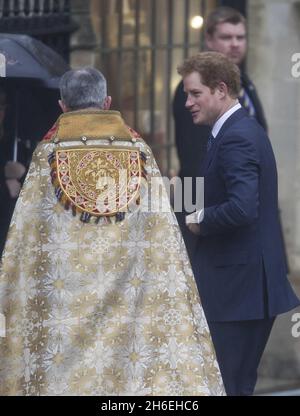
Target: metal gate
{"x": 140, "y": 44}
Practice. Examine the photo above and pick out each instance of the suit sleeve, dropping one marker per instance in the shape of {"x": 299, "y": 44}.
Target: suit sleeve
{"x": 239, "y": 169}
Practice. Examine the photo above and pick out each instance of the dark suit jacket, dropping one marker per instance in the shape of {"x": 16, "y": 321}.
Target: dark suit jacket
{"x": 239, "y": 263}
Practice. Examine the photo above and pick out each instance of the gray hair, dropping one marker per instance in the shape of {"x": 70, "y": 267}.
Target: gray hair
{"x": 83, "y": 88}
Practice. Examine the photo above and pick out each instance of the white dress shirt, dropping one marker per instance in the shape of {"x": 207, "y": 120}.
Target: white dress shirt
{"x": 219, "y": 123}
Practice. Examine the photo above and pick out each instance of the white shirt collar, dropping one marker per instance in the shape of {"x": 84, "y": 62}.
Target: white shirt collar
{"x": 219, "y": 123}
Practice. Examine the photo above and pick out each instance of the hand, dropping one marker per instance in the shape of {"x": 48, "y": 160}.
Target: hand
{"x": 14, "y": 187}
{"x": 14, "y": 170}
{"x": 191, "y": 221}
{"x": 194, "y": 228}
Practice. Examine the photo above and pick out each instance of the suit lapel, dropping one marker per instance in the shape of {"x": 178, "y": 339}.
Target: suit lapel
{"x": 236, "y": 116}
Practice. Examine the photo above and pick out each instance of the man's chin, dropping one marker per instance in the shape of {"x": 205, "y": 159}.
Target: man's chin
{"x": 198, "y": 120}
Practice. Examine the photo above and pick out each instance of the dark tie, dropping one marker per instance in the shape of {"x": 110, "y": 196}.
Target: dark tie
{"x": 210, "y": 141}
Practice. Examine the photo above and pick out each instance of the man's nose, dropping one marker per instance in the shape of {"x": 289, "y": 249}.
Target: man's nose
{"x": 235, "y": 43}
{"x": 188, "y": 102}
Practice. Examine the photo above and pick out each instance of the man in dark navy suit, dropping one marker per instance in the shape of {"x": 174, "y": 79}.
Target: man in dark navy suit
{"x": 225, "y": 32}
{"x": 239, "y": 262}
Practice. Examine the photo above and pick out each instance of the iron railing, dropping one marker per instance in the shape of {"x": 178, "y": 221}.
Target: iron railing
{"x": 47, "y": 20}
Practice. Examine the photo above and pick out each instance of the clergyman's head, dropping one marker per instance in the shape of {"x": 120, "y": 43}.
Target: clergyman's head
{"x": 82, "y": 89}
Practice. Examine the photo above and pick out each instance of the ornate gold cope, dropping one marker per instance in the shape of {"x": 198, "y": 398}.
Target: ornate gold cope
{"x": 99, "y": 310}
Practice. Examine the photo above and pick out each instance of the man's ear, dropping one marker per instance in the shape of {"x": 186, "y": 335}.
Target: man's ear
{"x": 222, "y": 89}
{"x": 107, "y": 103}
{"x": 63, "y": 106}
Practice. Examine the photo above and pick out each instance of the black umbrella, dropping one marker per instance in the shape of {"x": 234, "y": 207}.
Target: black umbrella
{"x": 29, "y": 59}
{"x": 32, "y": 71}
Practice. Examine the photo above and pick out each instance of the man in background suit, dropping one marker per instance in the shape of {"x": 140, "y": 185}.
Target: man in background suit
{"x": 225, "y": 32}
{"x": 239, "y": 264}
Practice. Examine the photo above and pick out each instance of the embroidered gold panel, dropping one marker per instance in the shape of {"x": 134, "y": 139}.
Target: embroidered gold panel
{"x": 100, "y": 181}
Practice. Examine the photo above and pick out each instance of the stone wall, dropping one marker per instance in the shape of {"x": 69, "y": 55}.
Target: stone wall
{"x": 274, "y": 37}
